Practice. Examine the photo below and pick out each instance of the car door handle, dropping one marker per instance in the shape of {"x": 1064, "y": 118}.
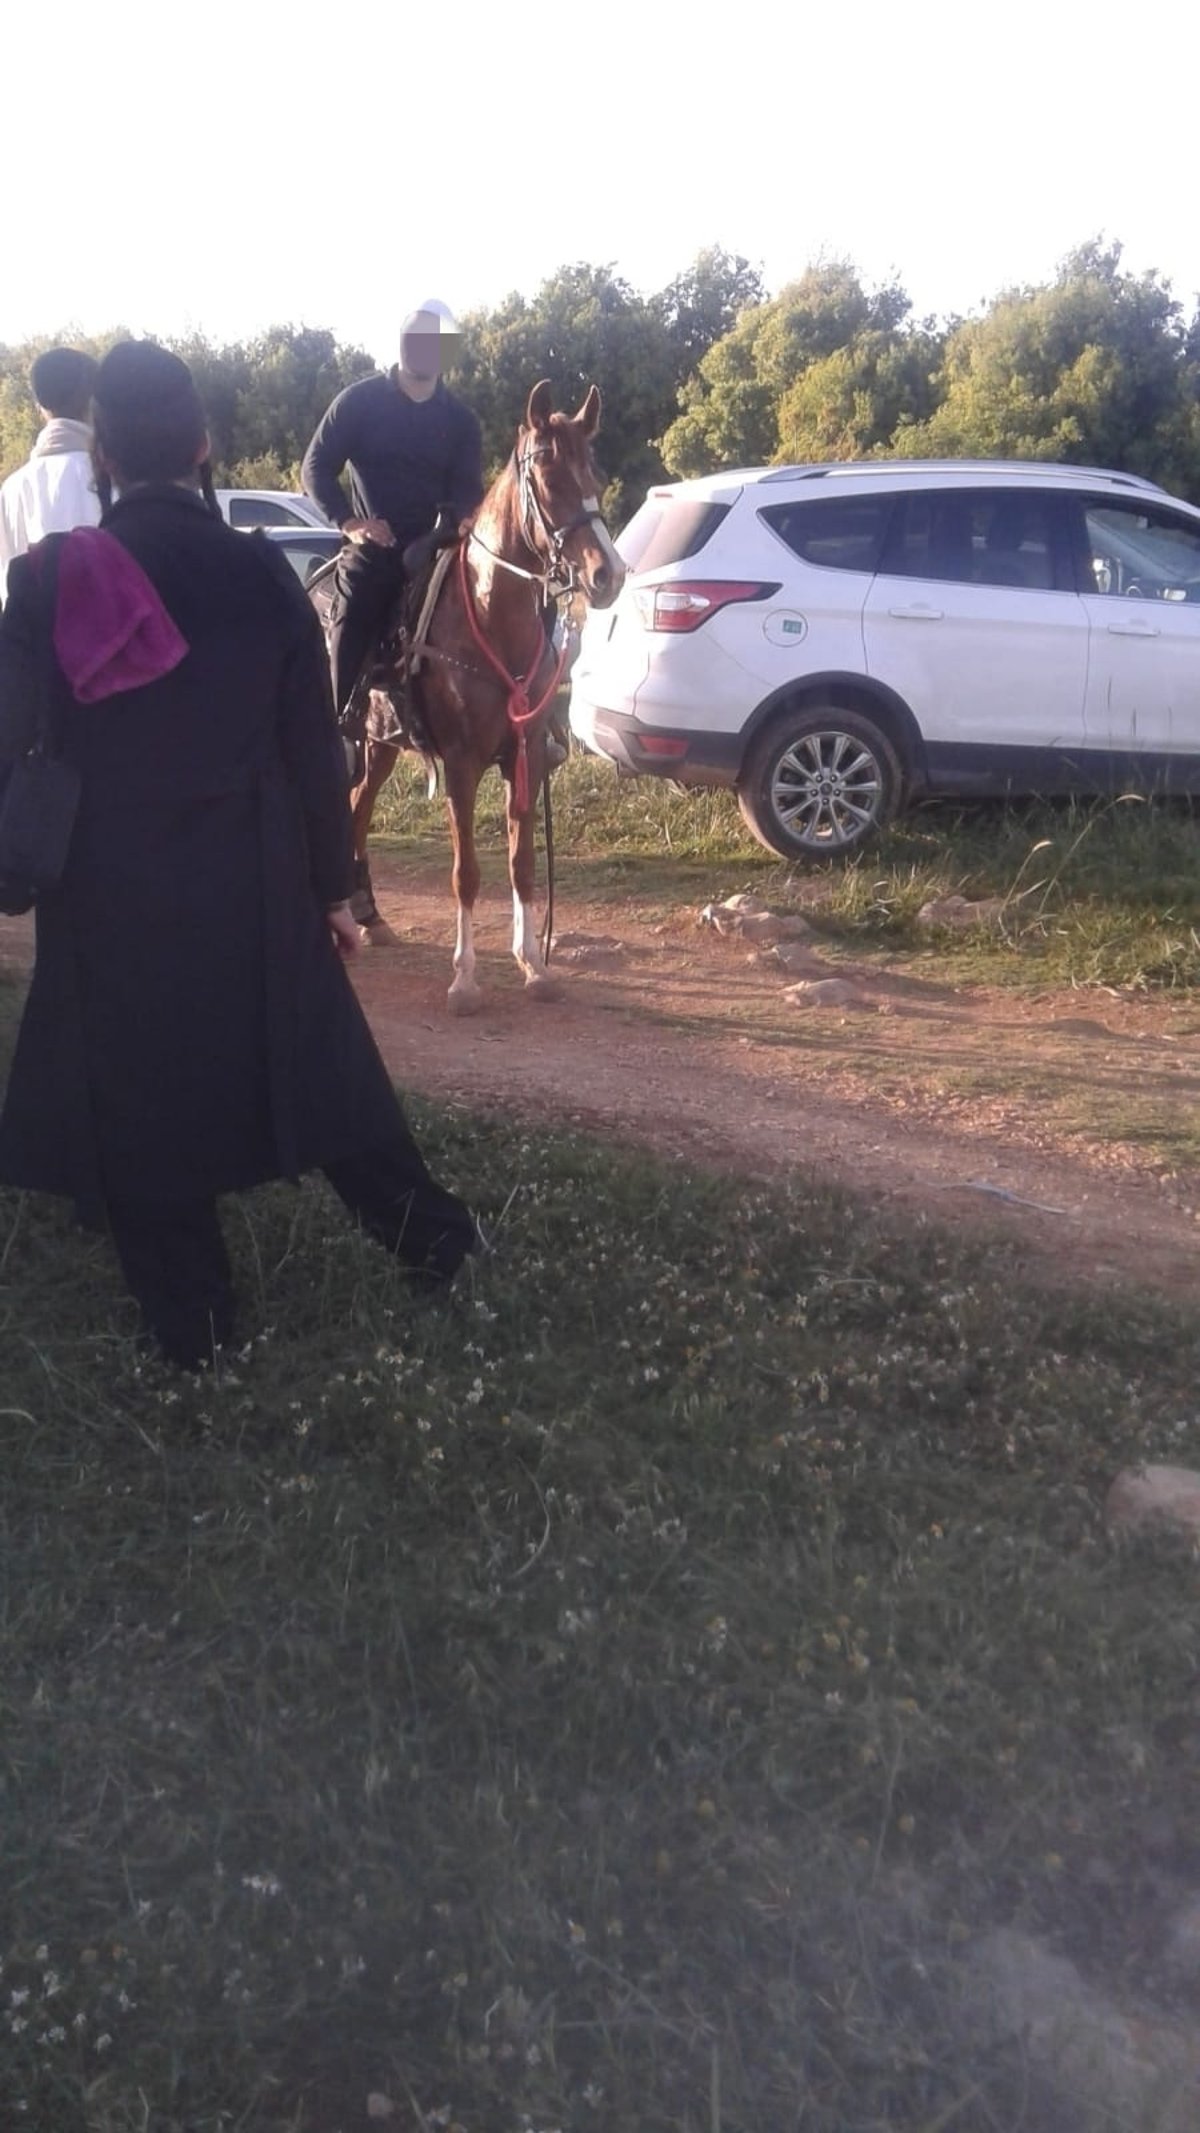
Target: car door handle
{"x": 1134, "y": 629}
{"x": 919, "y": 611}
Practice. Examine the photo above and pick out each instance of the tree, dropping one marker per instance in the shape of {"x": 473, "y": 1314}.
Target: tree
{"x": 731, "y": 406}
{"x": 287, "y": 379}
{"x": 704, "y": 304}
{"x": 1096, "y": 367}
{"x": 584, "y": 325}
{"x": 851, "y": 404}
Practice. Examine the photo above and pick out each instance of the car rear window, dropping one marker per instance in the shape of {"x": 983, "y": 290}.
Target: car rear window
{"x": 835, "y": 533}
{"x": 668, "y": 530}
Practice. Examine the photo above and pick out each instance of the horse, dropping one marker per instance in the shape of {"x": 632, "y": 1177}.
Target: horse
{"x": 486, "y": 675}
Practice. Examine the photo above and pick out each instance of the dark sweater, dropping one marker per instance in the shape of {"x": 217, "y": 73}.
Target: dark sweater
{"x": 405, "y": 457}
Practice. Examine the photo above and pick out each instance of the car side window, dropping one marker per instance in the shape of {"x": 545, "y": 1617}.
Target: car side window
{"x": 1001, "y": 537}
{"x": 1135, "y": 553}
{"x": 834, "y": 532}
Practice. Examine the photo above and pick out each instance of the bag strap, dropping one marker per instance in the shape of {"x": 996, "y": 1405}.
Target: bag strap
{"x": 46, "y": 739}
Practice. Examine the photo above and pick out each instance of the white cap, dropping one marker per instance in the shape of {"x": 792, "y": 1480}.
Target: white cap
{"x": 432, "y": 308}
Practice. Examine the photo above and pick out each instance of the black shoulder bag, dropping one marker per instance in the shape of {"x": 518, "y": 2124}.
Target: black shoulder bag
{"x": 39, "y": 793}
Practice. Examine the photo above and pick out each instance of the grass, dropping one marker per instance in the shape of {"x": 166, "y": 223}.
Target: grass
{"x": 616, "y": 1700}
{"x": 1103, "y": 893}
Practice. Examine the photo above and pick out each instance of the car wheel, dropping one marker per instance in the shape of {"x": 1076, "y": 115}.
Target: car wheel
{"x": 819, "y": 783}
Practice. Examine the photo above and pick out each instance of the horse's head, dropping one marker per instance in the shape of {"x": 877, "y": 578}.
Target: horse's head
{"x": 560, "y": 489}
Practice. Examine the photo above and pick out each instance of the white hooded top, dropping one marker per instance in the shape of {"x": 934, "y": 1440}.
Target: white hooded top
{"x": 51, "y": 493}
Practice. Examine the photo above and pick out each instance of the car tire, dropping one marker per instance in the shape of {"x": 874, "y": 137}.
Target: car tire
{"x": 819, "y": 783}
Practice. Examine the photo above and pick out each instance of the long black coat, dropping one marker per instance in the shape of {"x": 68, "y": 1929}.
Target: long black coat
{"x": 190, "y": 1028}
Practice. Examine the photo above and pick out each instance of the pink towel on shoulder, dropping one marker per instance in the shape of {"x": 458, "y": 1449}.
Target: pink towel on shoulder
{"x": 111, "y": 630}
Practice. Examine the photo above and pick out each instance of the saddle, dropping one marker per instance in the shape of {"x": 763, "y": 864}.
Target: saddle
{"x": 385, "y": 706}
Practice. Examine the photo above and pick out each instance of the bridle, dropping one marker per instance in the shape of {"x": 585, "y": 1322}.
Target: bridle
{"x": 558, "y": 575}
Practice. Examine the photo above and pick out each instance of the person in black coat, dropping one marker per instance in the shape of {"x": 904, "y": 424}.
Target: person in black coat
{"x": 190, "y": 1029}
{"x": 415, "y": 457}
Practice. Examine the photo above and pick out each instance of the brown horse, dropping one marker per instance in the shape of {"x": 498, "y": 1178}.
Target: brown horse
{"x": 487, "y": 676}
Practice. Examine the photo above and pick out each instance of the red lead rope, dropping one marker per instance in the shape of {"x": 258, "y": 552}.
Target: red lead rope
{"x": 521, "y": 712}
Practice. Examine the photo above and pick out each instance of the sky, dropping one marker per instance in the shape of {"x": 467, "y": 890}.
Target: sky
{"x": 233, "y": 166}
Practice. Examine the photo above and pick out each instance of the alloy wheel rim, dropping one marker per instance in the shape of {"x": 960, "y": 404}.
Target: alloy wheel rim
{"x": 826, "y": 789}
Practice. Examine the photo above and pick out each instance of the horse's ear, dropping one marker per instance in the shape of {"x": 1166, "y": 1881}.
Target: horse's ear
{"x": 589, "y": 413}
{"x": 541, "y": 406}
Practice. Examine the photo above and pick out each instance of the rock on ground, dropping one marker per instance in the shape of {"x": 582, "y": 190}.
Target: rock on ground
{"x": 1153, "y": 1497}
{"x": 959, "y": 911}
{"x": 752, "y": 923}
{"x": 1119, "y": 2069}
{"x": 824, "y": 992}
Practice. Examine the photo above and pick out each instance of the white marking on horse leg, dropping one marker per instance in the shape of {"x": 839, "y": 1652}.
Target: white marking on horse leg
{"x": 464, "y": 995}
{"x": 527, "y": 949}
{"x": 603, "y": 536}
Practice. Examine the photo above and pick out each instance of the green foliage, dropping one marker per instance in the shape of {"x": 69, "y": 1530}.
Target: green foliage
{"x": 849, "y": 405}
{"x": 704, "y": 304}
{"x": 267, "y": 471}
{"x": 733, "y": 407}
{"x": 1098, "y": 367}
{"x": 263, "y": 398}
{"x": 584, "y": 325}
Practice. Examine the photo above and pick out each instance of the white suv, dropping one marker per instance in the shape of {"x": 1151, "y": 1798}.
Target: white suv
{"x": 835, "y": 640}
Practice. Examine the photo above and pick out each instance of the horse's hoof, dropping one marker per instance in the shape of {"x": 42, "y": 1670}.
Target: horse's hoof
{"x": 464, "y": 999}
{"x": 539, "y": 985}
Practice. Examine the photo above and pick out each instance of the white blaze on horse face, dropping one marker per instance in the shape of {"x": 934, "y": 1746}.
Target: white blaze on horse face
{"x": 604, "y": 539}
{"x": 527, "y": 948}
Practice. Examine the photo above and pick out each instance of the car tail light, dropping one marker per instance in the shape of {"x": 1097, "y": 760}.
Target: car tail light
{"x": 688, "y": 602}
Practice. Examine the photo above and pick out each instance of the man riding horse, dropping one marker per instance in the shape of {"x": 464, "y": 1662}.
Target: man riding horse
{"x": 415, "y": 457}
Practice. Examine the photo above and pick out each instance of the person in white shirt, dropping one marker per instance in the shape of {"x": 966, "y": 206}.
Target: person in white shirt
{"x": 55, "y": 490}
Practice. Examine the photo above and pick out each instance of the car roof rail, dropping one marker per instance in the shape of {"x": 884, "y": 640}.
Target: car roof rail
{"x": 820, "y": 470}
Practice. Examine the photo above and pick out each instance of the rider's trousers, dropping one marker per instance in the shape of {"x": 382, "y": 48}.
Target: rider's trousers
{"x": 366, "y": 583}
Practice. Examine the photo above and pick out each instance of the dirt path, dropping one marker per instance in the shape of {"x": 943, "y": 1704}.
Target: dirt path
{"x": 964, "y": 1104}
{"x": 672, "y": 1037}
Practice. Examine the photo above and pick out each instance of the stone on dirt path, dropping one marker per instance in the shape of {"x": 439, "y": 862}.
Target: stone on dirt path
{"x": 583, "y": 950}
{"x": 758, "y": 925}
{"x": 824, "y": 992}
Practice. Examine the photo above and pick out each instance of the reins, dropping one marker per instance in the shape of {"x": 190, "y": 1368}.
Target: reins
{"x": 521, "y": 713}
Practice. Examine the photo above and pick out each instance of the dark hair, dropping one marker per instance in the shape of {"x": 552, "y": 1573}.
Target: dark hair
{"x": 62, "y": 381}
{"x": 148, "y": 419}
